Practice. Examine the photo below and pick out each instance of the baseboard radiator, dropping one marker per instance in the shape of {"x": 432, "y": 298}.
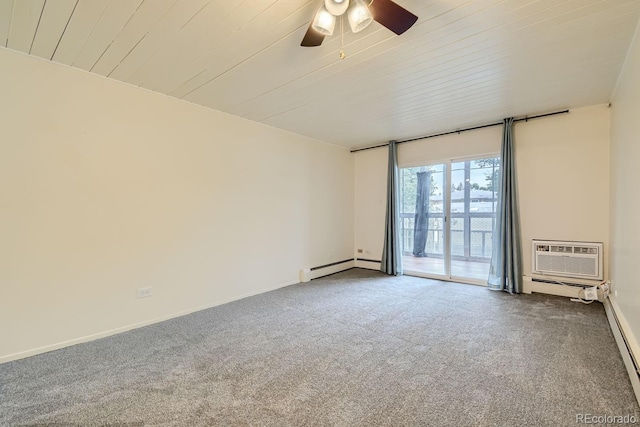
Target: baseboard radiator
{"x": 552, "y": 287}
{"x": 307, "y": 274}
{"x": 369, "y": 264}
{"x": 626, "y": 349}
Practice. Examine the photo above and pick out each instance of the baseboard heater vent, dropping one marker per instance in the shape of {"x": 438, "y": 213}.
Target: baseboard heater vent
{"x": 580, "y": 260}
{"x": 307, "y": 274}
{"x": 369, "y": 260}
{"x": 556, "y": 282}
{"x": 628, "y": 356}
{"x": 331, "y": 265}
{"x": 626, "y": 343}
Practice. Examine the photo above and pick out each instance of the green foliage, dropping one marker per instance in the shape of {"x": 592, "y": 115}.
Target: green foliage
{"x": 490, "y": 176}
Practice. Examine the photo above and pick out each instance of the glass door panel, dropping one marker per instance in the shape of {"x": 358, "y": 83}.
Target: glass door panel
{"x": 422, "y": 217}
{"x": 463, "y": 192}
{"x": 473, "y": 207}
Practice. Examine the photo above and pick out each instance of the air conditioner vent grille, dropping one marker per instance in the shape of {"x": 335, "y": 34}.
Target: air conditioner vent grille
{"x": 571, "y": 259}
{"x": 563, "y": 249}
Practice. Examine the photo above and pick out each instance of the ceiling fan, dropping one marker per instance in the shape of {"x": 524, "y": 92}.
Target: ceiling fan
{"x": 386, "y": 12}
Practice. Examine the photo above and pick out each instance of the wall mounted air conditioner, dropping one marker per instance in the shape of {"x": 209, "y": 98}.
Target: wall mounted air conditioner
{"x": 581, "y": 260}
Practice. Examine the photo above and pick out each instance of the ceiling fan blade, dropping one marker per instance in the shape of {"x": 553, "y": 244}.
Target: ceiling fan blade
{"x": 392, "y": 15}
{"x": 312, "y": 38}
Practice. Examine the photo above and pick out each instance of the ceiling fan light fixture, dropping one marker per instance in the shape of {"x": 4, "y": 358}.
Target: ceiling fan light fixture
{"x": 336, "y": 7}
{"x": 359, "y": 16}
{"x": 324, "y": 22}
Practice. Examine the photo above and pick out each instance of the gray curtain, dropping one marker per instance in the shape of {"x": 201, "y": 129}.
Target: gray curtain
{"x": 421, "y": 219}
{"x": 505, "y": 273}
{"x": 392, "y": 252}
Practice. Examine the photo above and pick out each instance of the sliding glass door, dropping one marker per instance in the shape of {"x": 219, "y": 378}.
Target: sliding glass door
{"x": 448, "y": 218}
{"x": 422, "y": 219}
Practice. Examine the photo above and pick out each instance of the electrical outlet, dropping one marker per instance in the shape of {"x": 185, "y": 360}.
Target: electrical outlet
{"x": 359, "y": 251}
{"x": 144, "y": 292}
{"x": 368, "y": 252}
{"x": 591, "y": 293}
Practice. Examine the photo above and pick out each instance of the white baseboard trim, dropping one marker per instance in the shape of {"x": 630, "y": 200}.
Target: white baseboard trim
{"x": 103, "y": 334}
{"x": 316, "y": 274}
{"x": 369, "y": 265}
{"x": 307, "y": 274}
{"x": 626, "y": 343}
{"x": 529, "y": 286}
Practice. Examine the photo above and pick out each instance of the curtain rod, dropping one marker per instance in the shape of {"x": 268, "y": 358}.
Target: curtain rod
{"x": 521, "y": 119}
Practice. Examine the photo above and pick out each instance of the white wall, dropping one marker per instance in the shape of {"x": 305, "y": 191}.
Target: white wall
{"x": 370, "y": 199}
{"x": 625, "y": 198}
{"x": 106, "y": 188}
{"x": 563, "y": 177}
{"x": 480, "y": 142}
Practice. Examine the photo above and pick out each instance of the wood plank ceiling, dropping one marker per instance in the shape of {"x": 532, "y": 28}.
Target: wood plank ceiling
{"x": 463, "y": 63}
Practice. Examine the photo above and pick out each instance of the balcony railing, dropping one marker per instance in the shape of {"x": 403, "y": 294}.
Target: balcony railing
{"x": 471, "y": 235}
